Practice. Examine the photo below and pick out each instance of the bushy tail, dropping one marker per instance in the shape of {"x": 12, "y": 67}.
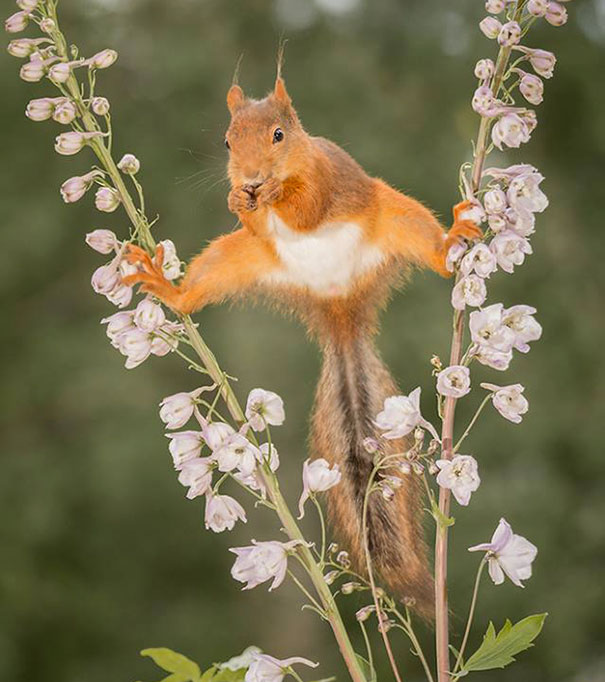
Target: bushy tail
{"x": 353, "y": 385}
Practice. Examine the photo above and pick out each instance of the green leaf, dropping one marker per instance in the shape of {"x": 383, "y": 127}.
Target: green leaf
{"x": 368, "y": 671}
{"x": 441, "y": 519}
{"x": 207, "y": 675}
{"x": 227, "y": 675}
{"x": 498, "y": 650}
{"x": 176, "y": 663}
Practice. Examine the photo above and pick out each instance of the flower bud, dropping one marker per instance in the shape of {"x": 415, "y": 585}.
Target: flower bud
{"x": 105, "y": 278}
{"x": 371, "y": 445}
{"x": 495, "y": 6}
{"x": 537, "y": 8}
{"x": 40, "y": 109}
{"x": 532, "y": 88}
{"x": 490, "y": 27}
{"x": 364, "y": 613}
{"x": 74, "y": 189}
{"x": 330, "y": 577}
{"x": 433, "y": 447}
{"x": 103, "y": 59}
{"x": 387, "y": 492}
{"x": 33, "y": 71}
{"x": 495, "y": 201}
{"x": 349, "y": 588}
{"x": 24, "y": 47}
{"x": 68, "y": 144}
{"x": 510, "y": 34}
{"x": 483, "y": 100}
{"x": 436, "y": 362}
{"x": 129, "y": 164}
{"x": 103, "y": 241}
{"x": 342, "y": 558}
{"x": 543, "y": 62}
{"x": 107, "y": 199}
{"x": 65, "y": 112}
{"x": 418, "y": 435}
{"x": 418, "y": 468}
{"x": 28, "y": 5}
{"x": 484, "y": 69}
{"x": 433, "y": 469}
{"x": 47, "y": 25}
{"x": 100, "y": 106}
{"x": 60, "y": 73}
{"x": 404, "y": 468}
{"x": 556, "y": 14}
{"x": 332, "y": 548}
{"x": 17, "y": 22}
{"x": 149, "y": 316}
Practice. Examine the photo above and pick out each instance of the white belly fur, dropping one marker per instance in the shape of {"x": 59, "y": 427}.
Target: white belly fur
{"x": 326, "y": 261}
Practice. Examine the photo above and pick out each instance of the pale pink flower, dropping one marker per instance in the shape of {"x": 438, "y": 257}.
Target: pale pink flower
{"x": 496, "y": 222}
{"x": 272, "y": 457}
{"x": 491, "y": 357}
{"x": 216, "y": 434}
{"x": 129, "y": 164}
{"x": 121, "y": 296}
{"x": 520, "y": 320}
{"x": 136, "y": 346}
{"x": 149, "y": 316}
{"x": 317, "y": 476}
{"x": 495, "y": 6}
{"x": 484, "y": 69}
{"x": 237, "y": 452}
{"x": 185, "y": 446}
{"x": 263, "y": 408}
{"x": 542, "y": 61}
{"x": 17, "y": 22}
{"x": 103, "y": 59}
{"x": 483, "y": 101}
{"x": 65, "y": 112}
{"x": 524, "y": 192}
{"x": 103, "y": 241}
{"x": 401, "y": 415}
{"x": 519, "y": 220}
{"x": 28, "y": 5}
{"x": 196, "y": 474}
{"x": 33, "y": 71}
{"x": 488, "y": 329}
{"x": 176, "y": 410}
{"x": 510, "y": 34}
{"x": 469, "y": 290}
{"x": 171, "y": 267}
{"x": 107, "y": 199}
{"x": 537, "y": 8}
{"x": 532, "y": 88}
{"x": 455, "y": 253}
{"x": 100, "y": 106}
{"x": 73, "y": 190}
{"x": 510, "y": 130}
{"x": 117, "y": 324}
{"x": 68, "y": 144}
{"x": 262, "y": 561}
{"x": 222, "y": 512}
{"x": 105, "y": 278}
{"x": 40, "y": 109}
{"x": 508, "y": 554}
{"x": 454, "y": 381}
{"x": 490, "y": 27}
{"x": 47, "y": 25}
{"x": 510, "y": 250}
{"x": 509, "y": 401}
{"x": 556, "y": 14}
{"x": 162, "y": 344}
{"x": 511, "y": 172}
{"x": 268, "y": 669}
{"x": 460, "y": 475}
{"x": 60, "y": 73}
{"x": 479, "y": 260}
{"x": 25, "y": 47}
{"x": 495, "y": 201}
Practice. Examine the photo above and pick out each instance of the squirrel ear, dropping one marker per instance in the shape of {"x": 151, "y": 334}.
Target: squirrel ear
{"x": 280, "y": 93}
{"x": 235, "y": 98}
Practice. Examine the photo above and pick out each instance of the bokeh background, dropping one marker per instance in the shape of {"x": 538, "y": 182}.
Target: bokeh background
{"x": 101, "y": 555}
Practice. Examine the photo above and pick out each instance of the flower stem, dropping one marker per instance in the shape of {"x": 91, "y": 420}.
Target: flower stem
{"x": 472, "y": 422}
{"x": 471, "y": 613}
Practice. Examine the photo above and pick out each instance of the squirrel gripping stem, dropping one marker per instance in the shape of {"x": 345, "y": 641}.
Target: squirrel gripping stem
{"x": 321, "y": 238}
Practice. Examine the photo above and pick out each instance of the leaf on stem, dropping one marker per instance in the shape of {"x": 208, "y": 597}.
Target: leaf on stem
{"x": 368, "y": 670}
{"x": 183, "y": 669}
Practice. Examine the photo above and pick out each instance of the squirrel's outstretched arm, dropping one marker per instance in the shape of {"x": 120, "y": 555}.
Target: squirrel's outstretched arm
{"x": 229, "y": 265}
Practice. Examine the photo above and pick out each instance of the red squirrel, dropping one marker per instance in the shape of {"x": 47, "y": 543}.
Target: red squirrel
{"x": 328, "y": 242}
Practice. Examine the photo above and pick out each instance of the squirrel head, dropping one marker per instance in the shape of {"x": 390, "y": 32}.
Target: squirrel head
{"x": 265, "y": 138}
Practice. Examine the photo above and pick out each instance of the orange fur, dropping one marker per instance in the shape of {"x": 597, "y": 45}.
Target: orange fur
{"x": 306, "y": 187}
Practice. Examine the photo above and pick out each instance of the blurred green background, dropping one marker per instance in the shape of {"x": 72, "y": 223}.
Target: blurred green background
{"x": 101, "y": 553}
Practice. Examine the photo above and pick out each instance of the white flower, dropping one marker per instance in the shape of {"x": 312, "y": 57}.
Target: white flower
{"x": 317, "y": 477}
{"x": 537, "y": 8}
{"x": 75, "y": 188}
{"x": 483, "y": 100}
{"x": 455, "y": 253}
{"x": 508, "y": 554}
{"x": 60, "y": 73}
{"x": 103, "y": 59}
{"x": 488, "y": 329}
{"x": 237, "y": 452}
{"x": 484, "y": 69}
{"x": 495, "y": 6}
{"x": 130, "y": 165}
{"x": 242, "y": 661}
{"x": 268, "y": 669}
{"x": 470, "y": 290}
{"x": 176, "y": 410}
{"x": 264, "y": 407}
{"x": 556, "y": 14}
{"x": 454, "y": 381}
{"x": 196, "y": 474}
{"x": 496, "y": 223}
{"x": 532, "y": 88}
{"x": 401, "y": 415}
{"x": 509, "y": 401}
{"x": 68, "y": 144}
{"x": 120, "y": 296}
{"x": 262, "y": 561}
{"x": 490, "y": 27}
{"x": 495, "y": 201}
{"x": 171, "y": 267}
{"x": 542, "y": 61}
{"x": 107, "y": 199}
{"x": 460, "y": 475}
{"x": 510, "y": 34}
{"x": 105, "y": 278}
{"x": 216, "y": 434}
{"x": 25, "y": 47}
{"x": 510, "y": 130}
{"x": 33, "y": 71}
{"x": 271, "y": 458}
{"x": 222, "y": 512}
{"x": 17, "y": 22}
{"x": 496, "y": 359}
{"x": 510, "y": 249}
{"x": 41, "y": 109}
{"x": 185, "y": 446}
{"x": 28, "y": 5}
{"x": 103, "y": 241}
{"x": 117, "y": 324}
{"x": 479, "y": 260}
{"x": 100, "y": 106}
{"x": 520, "y": 221}
{"x": 149, "y": 316}
{"x": 519, "y": 319}
{"x": 524, "y": 192}
{"x": 136, "y": 346}
{"x": 65, "y": 112}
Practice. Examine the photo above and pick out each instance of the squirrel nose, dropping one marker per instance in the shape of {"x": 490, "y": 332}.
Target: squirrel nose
{"x": 254, "y": 180}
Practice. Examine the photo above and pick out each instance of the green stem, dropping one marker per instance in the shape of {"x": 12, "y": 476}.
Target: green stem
{"x": 472, "y": 422}
{"x": 471, "y": 613}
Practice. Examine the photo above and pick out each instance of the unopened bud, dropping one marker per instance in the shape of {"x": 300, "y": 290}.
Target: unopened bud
{"x": 433, "y": 469}
{"x": 17, "y": 22}
{"x": 436, "y": 362}
{"x": 65, "y": 112}
{"x": 332, "y": 548}
{"x": 484, "y": 69}
{"x": 556, "y": 14}
{"x": 417, "y": 468}
{"x": 371, "y": 445}
{"x": 342, "y": 558}
{"x": 364, "y": 613}
{"x": 47, "y": 25}
{"x": 433, "y": 446}
{"x": 490, "y": 27}
{"x": 418, "y": 435}
{"x": 510, "y": 34}
{"x": 410, "y": 602}
{"x": 330, "y": 577}
{"x": 100, "y": 106}
{"x": 105, "y": 241}
{"x": 28, "y": 5}
{"x": 24, "y": 47}
{"x": 68, "y": 144}
{"x": 387, "y": 492}
{"x": 107, "y": 199}
{"x": 495, "y": 6}
{"x": 537, "y": 8}
{"x": 40, "y": 109}
{"x": 60, "y": 73}
{"x": 404, "y": 467}
{"x": 129, "y": 164}
{"x": 349, "y": 588}
{"x": 103, "y": 59}
{"x": 33, "y": 71}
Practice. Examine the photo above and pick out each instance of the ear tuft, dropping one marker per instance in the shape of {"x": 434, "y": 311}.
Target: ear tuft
{"x": 280, "y": 93}
{"x": 235, "y": 98}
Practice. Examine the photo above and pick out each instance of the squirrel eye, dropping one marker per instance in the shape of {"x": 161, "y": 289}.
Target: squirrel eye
{"x": 278, "y": 135}
{"x": 227, "y": 144}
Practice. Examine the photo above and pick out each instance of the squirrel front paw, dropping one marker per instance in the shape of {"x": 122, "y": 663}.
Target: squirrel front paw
{"x": 242, "y": 200}
{"x": 269, "y": 192}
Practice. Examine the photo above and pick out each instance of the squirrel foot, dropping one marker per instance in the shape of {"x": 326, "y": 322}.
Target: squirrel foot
{"x": 462, "y": 228}
{"x": 151, "y": 277}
